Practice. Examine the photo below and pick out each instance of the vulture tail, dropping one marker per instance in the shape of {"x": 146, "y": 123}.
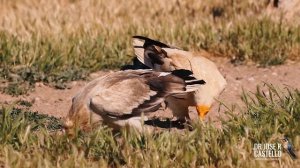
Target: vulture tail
{"x": 191, "y": 83}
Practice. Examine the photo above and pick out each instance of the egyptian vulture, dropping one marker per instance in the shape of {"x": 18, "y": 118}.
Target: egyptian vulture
{"x": 165, "y": 58}
{"x": 120, "y": 98}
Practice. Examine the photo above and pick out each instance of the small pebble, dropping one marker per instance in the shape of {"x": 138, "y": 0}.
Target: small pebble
{"x": 36, "y": 99}
{"x": 251, "y": 79}
{"x": 71, "y": 85}
{"x": 39, "y": 84}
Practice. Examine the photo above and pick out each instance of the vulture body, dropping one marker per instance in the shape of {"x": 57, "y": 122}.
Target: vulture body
{"x": 121, "y": 98}
{"x": 166, "y": 58}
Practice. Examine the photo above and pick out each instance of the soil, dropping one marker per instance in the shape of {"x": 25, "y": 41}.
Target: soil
{"x": 47, "y": 100}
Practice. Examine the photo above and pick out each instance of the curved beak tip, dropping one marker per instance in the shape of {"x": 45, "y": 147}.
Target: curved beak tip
{"x": 202, "y": 111}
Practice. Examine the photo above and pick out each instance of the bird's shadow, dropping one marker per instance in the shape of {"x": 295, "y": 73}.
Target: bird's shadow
{"x": 156, "y": 122}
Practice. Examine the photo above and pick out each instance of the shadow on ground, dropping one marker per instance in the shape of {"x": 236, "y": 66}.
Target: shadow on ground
{"x": 167, "y": 124}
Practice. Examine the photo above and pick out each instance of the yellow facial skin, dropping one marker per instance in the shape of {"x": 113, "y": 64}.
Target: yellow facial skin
{"x": 202, "y": 111}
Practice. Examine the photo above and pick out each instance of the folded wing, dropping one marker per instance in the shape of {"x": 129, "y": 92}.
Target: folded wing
{"x": 140, "y": 91}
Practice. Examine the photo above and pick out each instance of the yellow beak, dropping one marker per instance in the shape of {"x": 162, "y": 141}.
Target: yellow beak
{"x": 202, "y": 110}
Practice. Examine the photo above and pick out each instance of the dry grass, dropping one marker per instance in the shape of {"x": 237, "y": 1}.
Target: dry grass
{"x": 62, "y": 40}
{"x": 189, "y": 24}
{"x": 65, "y": 17}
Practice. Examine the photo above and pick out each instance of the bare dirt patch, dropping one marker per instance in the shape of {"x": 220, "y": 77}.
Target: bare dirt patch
{"x": 47, "y": 100}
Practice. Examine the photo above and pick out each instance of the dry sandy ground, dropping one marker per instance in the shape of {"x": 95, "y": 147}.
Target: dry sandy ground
{"x": 55, "y": 102}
